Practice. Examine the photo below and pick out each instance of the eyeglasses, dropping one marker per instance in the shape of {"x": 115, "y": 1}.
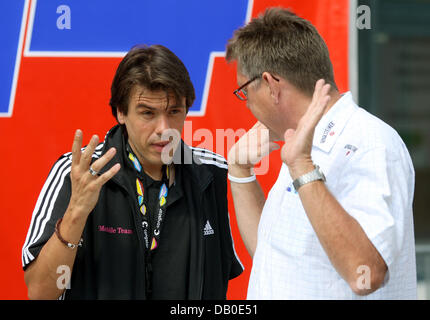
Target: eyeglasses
{"x": 241, "y": 93}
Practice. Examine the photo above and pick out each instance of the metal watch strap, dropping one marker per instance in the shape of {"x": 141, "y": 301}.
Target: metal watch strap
{"x": 313, "y": 175}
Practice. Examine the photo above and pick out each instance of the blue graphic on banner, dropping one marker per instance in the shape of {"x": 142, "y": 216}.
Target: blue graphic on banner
{"x": 10, "y": 24}
{"x": 192, "y": 29}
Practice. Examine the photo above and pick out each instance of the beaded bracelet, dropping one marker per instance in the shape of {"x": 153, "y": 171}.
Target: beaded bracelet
{"x": 68, "y": 244}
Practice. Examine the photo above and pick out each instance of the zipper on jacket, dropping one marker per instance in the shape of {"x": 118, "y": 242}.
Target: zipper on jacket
{"x": 138, "y": 228}
{"x": 140, "y": 240}
{"x": 202, "y": 239}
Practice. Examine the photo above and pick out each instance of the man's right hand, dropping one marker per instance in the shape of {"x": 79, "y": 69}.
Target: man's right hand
{"x": 251, "y": 148}
{"x": 41, "y": 275}
{"x": 85, "y": 186}
{"x": 248, "y": 198}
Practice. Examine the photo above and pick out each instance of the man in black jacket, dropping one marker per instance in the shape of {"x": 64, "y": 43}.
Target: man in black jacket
{"x": 140, "y": 215}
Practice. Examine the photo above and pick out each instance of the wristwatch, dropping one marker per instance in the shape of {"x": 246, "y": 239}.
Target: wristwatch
{"x": 314, "y": 175}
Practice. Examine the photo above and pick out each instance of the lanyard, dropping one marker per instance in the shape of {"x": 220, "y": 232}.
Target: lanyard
{"x": 160, "y": 211}
{"x": 142, "y": 203}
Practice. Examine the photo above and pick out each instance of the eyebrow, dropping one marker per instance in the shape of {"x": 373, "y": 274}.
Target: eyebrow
{"x": 142, "y": 105}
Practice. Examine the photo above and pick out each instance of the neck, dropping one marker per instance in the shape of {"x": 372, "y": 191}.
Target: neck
{"x": 154, "y": 171}
{"x": 303, "y": 107}
{"x": 299, "y": 108}
{"x": 334, "y": 97}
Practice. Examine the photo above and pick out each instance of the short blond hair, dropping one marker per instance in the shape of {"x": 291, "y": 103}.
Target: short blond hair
{"x": 282, "y": 43}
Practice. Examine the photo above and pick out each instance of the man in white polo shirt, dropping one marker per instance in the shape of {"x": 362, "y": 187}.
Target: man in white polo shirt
{"x": 338, "y": 222}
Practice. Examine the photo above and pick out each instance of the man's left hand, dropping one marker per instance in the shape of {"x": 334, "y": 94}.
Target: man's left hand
{"x": 296, "y": 152}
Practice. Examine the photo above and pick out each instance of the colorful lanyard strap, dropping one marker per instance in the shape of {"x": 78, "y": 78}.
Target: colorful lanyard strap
{"x": 161, "y": 207}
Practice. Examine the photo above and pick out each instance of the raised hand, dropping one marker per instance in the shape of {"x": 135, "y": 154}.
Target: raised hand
{"x": 296, "y": 152}
{"x": 252, "y": 147}
{"x": 86, "y": 186}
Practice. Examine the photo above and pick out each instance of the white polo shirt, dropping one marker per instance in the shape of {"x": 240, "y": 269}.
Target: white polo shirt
{"x": 370, "y": 173}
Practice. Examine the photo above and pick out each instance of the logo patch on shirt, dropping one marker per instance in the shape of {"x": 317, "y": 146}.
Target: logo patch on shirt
{"x": 350, "y": 148}
{"x": 326, "y": 131}
{"x": 114, "y": 230}
{"x": 208, "y": 229}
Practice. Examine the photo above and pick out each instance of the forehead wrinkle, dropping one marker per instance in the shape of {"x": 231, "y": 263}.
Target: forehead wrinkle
{"x": 158, "y": 99}
{"x": 140, "y": 98}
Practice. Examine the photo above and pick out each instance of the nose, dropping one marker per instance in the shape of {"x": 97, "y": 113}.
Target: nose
{"x": 162, "y": 124}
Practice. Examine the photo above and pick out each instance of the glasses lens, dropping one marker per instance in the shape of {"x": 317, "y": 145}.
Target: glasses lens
{"x": 241, "y": 94}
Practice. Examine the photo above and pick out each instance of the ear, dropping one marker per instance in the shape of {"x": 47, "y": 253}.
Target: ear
{"x": 120, "y": 116}
{"x": 273, "y": 85}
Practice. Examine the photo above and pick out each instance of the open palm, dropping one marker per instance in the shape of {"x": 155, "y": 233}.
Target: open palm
{"x": 296, "y": 152}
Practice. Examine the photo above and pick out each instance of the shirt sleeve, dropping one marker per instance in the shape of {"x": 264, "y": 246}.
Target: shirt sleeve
{"x": 236, "y": 267}
{"x": 50, "y": 206}
{"x": 376, "y": 189}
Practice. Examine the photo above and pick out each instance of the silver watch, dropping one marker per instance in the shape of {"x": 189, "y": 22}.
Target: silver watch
{"x": 314, "y": 175}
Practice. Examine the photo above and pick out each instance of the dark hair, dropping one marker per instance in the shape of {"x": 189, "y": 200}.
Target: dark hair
{"x": 282, "y": 43}
{"x": 154, "y": 67}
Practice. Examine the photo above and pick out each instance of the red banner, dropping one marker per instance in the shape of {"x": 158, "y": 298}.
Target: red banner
{"x": 56, "y": 95}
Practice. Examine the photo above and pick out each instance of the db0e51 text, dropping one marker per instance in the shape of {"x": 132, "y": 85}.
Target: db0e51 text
{"x": 233, "y": 309}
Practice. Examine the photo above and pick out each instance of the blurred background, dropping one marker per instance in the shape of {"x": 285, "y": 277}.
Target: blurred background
{"x": 394, "y": 84}
{"x": 58, "y": 59}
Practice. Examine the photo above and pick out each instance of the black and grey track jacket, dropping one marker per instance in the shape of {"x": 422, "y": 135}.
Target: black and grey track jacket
{"x": 112, "y": 267}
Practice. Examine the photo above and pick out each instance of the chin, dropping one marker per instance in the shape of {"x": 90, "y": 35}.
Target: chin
{"x": 156, "y": 160}
{"x": 274, "y": 136}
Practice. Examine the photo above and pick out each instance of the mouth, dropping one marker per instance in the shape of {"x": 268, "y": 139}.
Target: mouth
{"x": 159, "y": 146}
